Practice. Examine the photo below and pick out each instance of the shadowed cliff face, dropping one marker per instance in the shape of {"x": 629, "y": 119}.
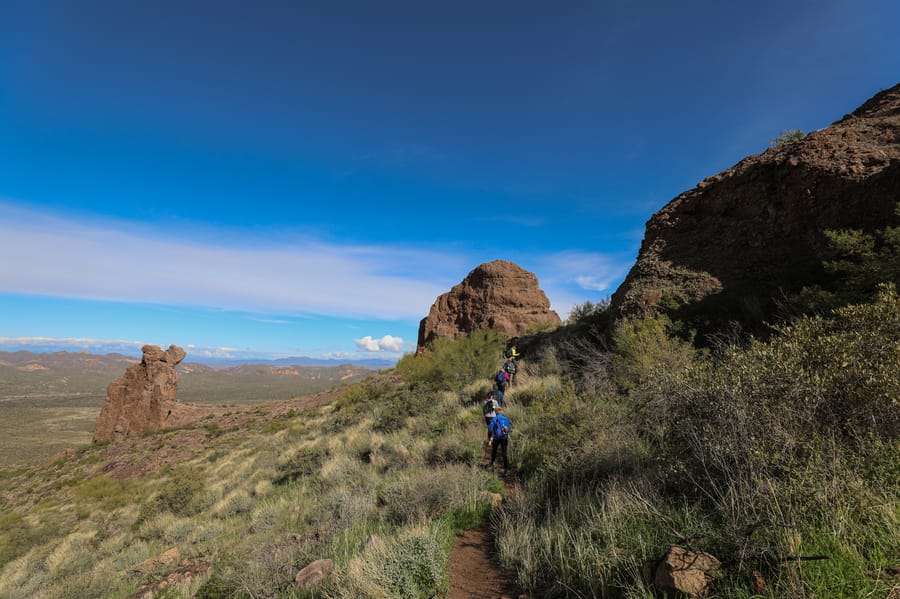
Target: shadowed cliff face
{"x": 498, "y": 295}
{"x": 742, "y": 239}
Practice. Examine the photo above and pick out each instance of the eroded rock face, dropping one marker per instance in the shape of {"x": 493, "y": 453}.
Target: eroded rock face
{"x": 498, "y": 295}
{"x": 733, "y": 246}
{"x": 144, "y": 398}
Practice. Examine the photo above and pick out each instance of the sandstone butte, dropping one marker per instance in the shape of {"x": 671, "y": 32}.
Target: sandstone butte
{"x": 498, "y": 295}
{"x": 741, "y": 240}
{"x": 144, "y": 398}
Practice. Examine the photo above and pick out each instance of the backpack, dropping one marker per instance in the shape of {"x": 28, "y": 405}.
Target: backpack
{"x": 501, "y": 377}
{"x": 510, "y": 367}
{"x": 508, "y": 353}
{"x": 489, "y": 407}
{"x": 500, "y": 428}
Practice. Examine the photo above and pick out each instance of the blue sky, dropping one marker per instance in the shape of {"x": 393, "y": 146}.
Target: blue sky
{"x": 304, "y": 178}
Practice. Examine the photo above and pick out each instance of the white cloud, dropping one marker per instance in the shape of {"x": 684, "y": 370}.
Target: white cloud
{"x": 572, "y": 277}
{"x": 388, "y": 343}
{"x": 114, "y": 261}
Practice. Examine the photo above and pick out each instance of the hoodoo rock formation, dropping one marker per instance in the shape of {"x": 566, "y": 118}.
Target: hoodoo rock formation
{"x": 498, "y": 295}
{"x": 144, "y": 398}
{"x": 742, "y": 239}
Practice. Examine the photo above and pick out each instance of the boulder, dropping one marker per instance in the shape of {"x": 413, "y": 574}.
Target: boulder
{"x": 499, "y": 296}
{"x": 144, "y": 398}
{"x": 685, "y": 573}
{"x": 166, "y": 558}
{"x": 734, "y": 246}
{"x": 314, "y": 573}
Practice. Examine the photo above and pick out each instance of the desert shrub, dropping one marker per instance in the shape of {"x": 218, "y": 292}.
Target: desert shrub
{"x": 355, "y": 401}
{"x": 393, "y": 408}
{"x": 107, "y": 493}
{"x": 181, "y": 494}
{"x": 863, "y": 262}
{"x": 411, "y": 565}
{"x": 791, "y": 436}
{"x": 787, "y": 137}
{"x": 451, "y": 364}
{"x": 762, "y": 409}
{"x": 589, "y": 311}
{"x": 305, "y": 461}
{"x": 414, "y": 495}
{"x": 549, "y": 422}
{"x": 646, "y": 349}
{"x": 586, "y": 542}
{"x": 454, "y": 449}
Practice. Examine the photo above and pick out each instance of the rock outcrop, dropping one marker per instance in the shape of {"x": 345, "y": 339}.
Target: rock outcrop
{"x": 742, "y": 239}
{"x": 144, "y": 398}
{"x": 683, "y": 573}
{"x": 498, "y": 295}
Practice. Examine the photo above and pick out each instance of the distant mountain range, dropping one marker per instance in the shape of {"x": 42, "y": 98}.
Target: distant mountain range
{"x": 84, "y": 358}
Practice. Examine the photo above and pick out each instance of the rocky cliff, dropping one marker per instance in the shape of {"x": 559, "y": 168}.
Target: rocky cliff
{"x": 742, "y": 239}
{"x": 497, "y": 295}
{"x": 144, "y": 398}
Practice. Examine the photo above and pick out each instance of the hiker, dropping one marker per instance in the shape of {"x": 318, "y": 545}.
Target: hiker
{"x": 510, "y": 367}
{"x": 499, "y": 430}
{"x": 500, "y": 380}
{"x": 489, "y": 408}
{"x": 511, "y": 353}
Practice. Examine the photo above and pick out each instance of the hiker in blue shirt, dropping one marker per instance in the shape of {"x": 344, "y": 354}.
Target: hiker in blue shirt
{"x": 499, "y": 430}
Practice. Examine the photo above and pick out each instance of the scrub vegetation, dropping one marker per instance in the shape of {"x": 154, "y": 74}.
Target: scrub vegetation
{"x": 778, "y": 456}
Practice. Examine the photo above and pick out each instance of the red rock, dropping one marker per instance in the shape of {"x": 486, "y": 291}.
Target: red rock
{"x": 144, "y": 398}
{"x": 754, "y": 232}
{"x": 314, "y": 573}
{"x": 498, "y": 295}
{"x": 684, "y": 572}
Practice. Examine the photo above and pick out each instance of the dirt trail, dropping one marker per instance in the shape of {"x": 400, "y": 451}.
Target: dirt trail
{"x": 474, "y": 571}
{"x": 474, "y": 574}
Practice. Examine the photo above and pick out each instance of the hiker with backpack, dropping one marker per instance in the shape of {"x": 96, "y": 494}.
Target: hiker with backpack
{"x": 510, "y": 368}
{"x": 511, "y": 353}
{"x": 499, "y": 431}
{"x": 489, "y": 409}
{"x": 500, "y": 381}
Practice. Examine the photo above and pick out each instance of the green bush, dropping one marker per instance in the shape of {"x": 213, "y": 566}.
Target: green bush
{"x": 413, "y": 566}
{"x": 646, "y": 350}
{"x": 302, "y": 462}
{"x": 864, "y": 261}
{"x": 787, "y": 137}
{"x": 451, "y": 364}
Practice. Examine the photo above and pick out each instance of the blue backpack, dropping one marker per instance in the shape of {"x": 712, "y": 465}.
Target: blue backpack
{"x": 501, "y": 376}
{"x": 500, "y": 427}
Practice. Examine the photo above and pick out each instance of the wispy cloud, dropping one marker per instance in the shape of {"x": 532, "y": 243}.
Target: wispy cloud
{"x": 269, "y": 320}
{"x": 571, "y": 277}
{"x": 113, "y": 261}
{"x": 388, "y": 343}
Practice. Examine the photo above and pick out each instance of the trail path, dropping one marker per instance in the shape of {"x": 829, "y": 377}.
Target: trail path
{"x": 474, "y": 571}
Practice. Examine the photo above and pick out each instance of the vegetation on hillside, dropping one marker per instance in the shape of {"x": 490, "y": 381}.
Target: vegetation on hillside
{"x": 778, "y": 456}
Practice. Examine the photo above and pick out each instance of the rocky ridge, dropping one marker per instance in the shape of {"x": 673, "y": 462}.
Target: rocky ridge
{"x": 740, "y": 240}
{"x": 499, "y": 295}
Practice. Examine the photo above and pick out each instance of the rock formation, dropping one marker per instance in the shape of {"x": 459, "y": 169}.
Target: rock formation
{"x": 498, "y": 295}
{"x": 144, "y": 398}
{"x": 742, "y": 239}
{"x": 683, "y": 573}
